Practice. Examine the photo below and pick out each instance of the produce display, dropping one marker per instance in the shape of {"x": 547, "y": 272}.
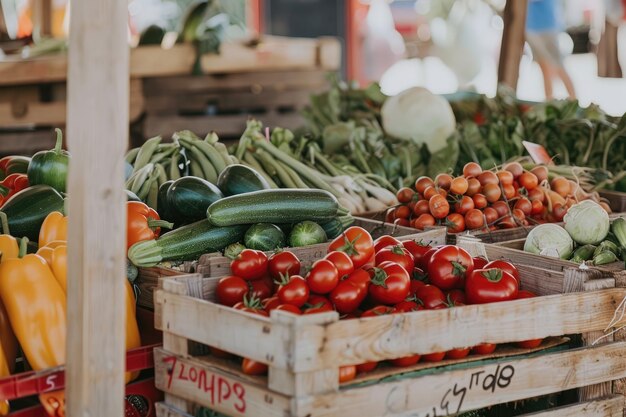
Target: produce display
{"x": 361, "y": 277}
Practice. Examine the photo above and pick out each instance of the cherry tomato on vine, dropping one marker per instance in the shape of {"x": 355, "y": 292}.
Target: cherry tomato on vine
{"x": 473, "y": 187}
{"x": 424, "y": 221}
{"x": 480, "y": 201}
{"x": 474, "y": 219}
{"x": 529, "y": 181}
{"x": 405, "y": 195}
{"x": 464, "y": 205}
{"x": 421, "y": 207}
{"x": 459, "y": 185}
{"x": 439, "y": 207}
{"x": 455, "y": 223}
{"x": 402, "y": 212}
{"x": 443, "y": 181}
{"x": 422, "y": 183}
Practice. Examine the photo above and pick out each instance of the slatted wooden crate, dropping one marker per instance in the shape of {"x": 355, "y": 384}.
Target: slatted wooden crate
{"x": 304, "y": 353}
{"x": 214, "y": 264}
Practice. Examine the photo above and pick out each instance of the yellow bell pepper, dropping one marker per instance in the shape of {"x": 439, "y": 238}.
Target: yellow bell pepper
{"x": 55, "y": 244}
{"x": 36, "y": 307}
{"x": 54, "y": 227}
{"x": 8, "y": 353}
{"x": 8, "y": 244}
{"x": 133, "y": 340}
{"x": 46, "y": 254}
{"x": 58, "y": 265}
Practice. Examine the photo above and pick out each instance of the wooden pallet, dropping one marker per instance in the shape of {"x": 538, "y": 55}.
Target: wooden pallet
{"x": 304, "y": 353}
{"x": 214, "y": 264}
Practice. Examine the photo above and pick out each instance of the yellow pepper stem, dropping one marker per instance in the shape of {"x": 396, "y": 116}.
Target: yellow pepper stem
{"x": 4, "y": 222}
{"x": 23, "y": 247}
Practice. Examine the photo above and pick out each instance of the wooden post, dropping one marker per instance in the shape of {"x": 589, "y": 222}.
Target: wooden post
{"x": 512, "y": 42}
{"x": 98, "y": 86}
{"x": 608, "y": 62}
{"x": 42, "y": 17}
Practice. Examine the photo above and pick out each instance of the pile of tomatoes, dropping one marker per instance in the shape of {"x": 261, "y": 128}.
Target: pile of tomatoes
{"x": 483, "y": 200}
{"x": 361, "y": 277}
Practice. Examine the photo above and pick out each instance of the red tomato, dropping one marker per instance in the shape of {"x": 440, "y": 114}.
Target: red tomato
{"x": 490, "y": 285}
{"x": 250, "y": 367}
{"x": 492, "y": 192}
{"x": 421, "y": 207}
{"x": 533, "y": 343}
{"x": 417, "y": 249}
{"x": 378, "y": 311}
{"x": 424, "y": 221}
{"x": 559, "y": 211}
{"x": 491, "y": 215}
{"x": 484, "y": 349}
{"x": 472, "y": 169}
{"x": 366, "y": 367}
{"x": 323, "y": 277}
{"x": 455, "y": 297}
{"x": 528, "y": 180}
{"x": 464, "y": 205}
{"x": 473, "y": 187}
{"x": 405, "y": 195}
{"x": 405, "y": 361}
{"x": 418, "y": 279}
{"x": 347, "y": 373}
{"x": 455, "y": 223}
{"x": 397, "y": 254}
{"x": 231, "y": 290}
{"x": 293, "y": 290}
{"x": 315, "y": 310}
{"x": 250, "y": 264}
{"x": 342, "y": 262}
{"x": 474, "y": 219}
{"x": 488, "y": 177}
{"x": 509, "y": 191}
{"x": 459, "y": 353}
{"x": 289, "y": 307}
{"x": 430, "y": 192}
{"x": 537, "y": 207}
{"x": 506, "y": 267}
{"x": 439, "y": 207}
{"x": 357, "y": 243}
{"x": 431, "y": 297}
{"x": 479, "y": 263}
{"x": 480, "y": 201}
{"x": 251, "y": 305}
{"x": 433, "y": 357}
{"x": 350, "y": 292}
{"x": 407, "y": 306}
{"x": 459, "y": 185}
{"x": 270, "y": 303}
{"x": 402, "y": 212}
{"x": 384, "y": 241}
{"x": 449, "y": 267}
{"x": 318, "y": 301}
{"x": 423, "y": 264}
{"x": 514, "y": 168}
{"x": 422, "y": 183}
{"x": 285, "y": 263}
{"x": 505, "y": 177}
{"x": 524, "y": 205}
{"x": 443, "y": 181}
{"x": 501, "y": 207}
{"x": 390, "y": 283}
{"x": 259, "y": 289}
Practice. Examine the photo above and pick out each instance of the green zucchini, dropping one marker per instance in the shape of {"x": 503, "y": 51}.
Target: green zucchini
{"x": 265, "y": 237}
{"x": 163, "y": 207}
{"x": 274, "y": 206}
{"x": 27, "y": 209}
{"x": 239, "y": 179}
{"x": 188, "y": 199}
{"x": 185, "y": 243}
{"x": 336, "y": 226}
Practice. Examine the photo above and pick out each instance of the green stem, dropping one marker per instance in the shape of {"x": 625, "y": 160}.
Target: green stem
{"x": 154, "y": 223}
{"x": 59, "y": 144}
{"x": 23, "y": 247}
{"x": 4, "y": 221}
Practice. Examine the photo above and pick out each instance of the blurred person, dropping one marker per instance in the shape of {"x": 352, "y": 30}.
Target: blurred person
{"x": 543, "y": 26}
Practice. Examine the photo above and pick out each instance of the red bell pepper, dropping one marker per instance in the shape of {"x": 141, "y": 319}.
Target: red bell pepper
{"x": 11, "y": 185}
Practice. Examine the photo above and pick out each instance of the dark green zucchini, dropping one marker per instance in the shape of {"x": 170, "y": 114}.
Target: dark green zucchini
{"x": 163, "y": 207}
{"x": 188, "y": 199}
{"x": 274, "y": 206}
{"x": 27, "y": 209}
{"x": 265, "y": 237}
{"x": 185, "y": 243}
{"x": 336, "y": 226}
{"x": 239, "y": 179}
{"x": 307, "y": 233}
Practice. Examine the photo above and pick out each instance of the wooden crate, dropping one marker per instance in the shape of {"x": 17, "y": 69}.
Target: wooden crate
{"x": 214, "y": 264}
{"x": 304, "y": 353}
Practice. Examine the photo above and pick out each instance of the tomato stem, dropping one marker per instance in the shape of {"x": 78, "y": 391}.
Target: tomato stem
{"x": 379, "y": 278}
{"x": 493, "y": 275}
{"x": 458, "y": 269}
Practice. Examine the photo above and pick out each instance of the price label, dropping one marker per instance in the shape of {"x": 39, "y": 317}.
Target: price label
{"x": 53, "y": 403}
{"x": 538, "y": 153}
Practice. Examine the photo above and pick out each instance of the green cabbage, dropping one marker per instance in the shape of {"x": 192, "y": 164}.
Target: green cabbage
{"x": 587, "y": 222}
{"x": 550, "y": 240}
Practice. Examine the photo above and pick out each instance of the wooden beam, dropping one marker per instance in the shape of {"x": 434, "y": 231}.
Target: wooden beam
{"x": 98, "y": 88}
{"x": 512, "y": 42}
{"x": 42, "y": 18}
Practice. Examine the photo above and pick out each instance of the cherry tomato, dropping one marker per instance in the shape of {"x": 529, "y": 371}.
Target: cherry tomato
{"x": 231, "y": 290}
{"x": 439, "y": 207}
{"x": 541, "y": 172}
{"x": 402, "y": 212}
{"x": 397, "y": 254}
{"x": 514, "y": 168}
{"x": 434, "y": 357}
{"x": 418, "y": 279}
{"x": 479, "y": 262}
{"x": 288, "y": 307}
{"x": 472, "y": 169}
{"x": 416, "y": 249}
{"x": 459, "y": 185}
{"x": 430, "y": 192}
{"x": 408, "y": 306}
{"x": 464, "y": 205}
{"x": 431, "y": 297}
{"x": 357, "y": 243}
{"x": 474, "y": 219}
{"x": 390, "y": 215}
{"x": 379, "y": 311}
{"x": 505, "y": 266}
{"x": 529, "y": 181}
{"x": 384, "y": 241}
{"x": 342, "y": 262}
{"x": 251, "y": 305}
{"x": 508, "y": 222}
{"x": 505, "y": 177}
{"x": 405, "y": 361}
{"x": 501, "y": 207}
{"x": 350, "y": 293}
{"x": 318, "y": 301}
{"x": 480, "y": 201}
{"x": 422, "y": 183}
{"x": 455, "y": 297}
{"x": 455, "y": 223}
{"x": 449, "y": 266}
{"x": 473, "y": 187}
{"x": 509, "y": 191}
{"x": 492, "y": 192}
{"x": 347, "y": 373}
{"x": 423, "y": 263}
{"x": 405, "y": 195}
{"x": 488, "y": 177}
{"x": 424, "y": 221}
{"x": 259, "y": 289}
{"x": 390, "y": 283}
{"x": 443, "y": 181}
{"x": 318, "y": 309}
{"x": 484, "y": 349}
{"x": 490, "y": 285}
{"x": 536, "y": 207}
{"x": 323, "y": 277}
{"x": 285, "y": 263}
{"x": 524, "y": 205}
{"x": 491, "y": 215}
{"x": 536, "y": 194}
{"x": 559, "y": 211}
{"x": 250, "y": 367}
{"x": 459, "y": 353}
{"x": 270, "y": 303}
{"x": 250, "y": 264}
{"x": 421, "y": 207}
{"x": 366, "y": 367}
{"x": 293, "y": 290}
